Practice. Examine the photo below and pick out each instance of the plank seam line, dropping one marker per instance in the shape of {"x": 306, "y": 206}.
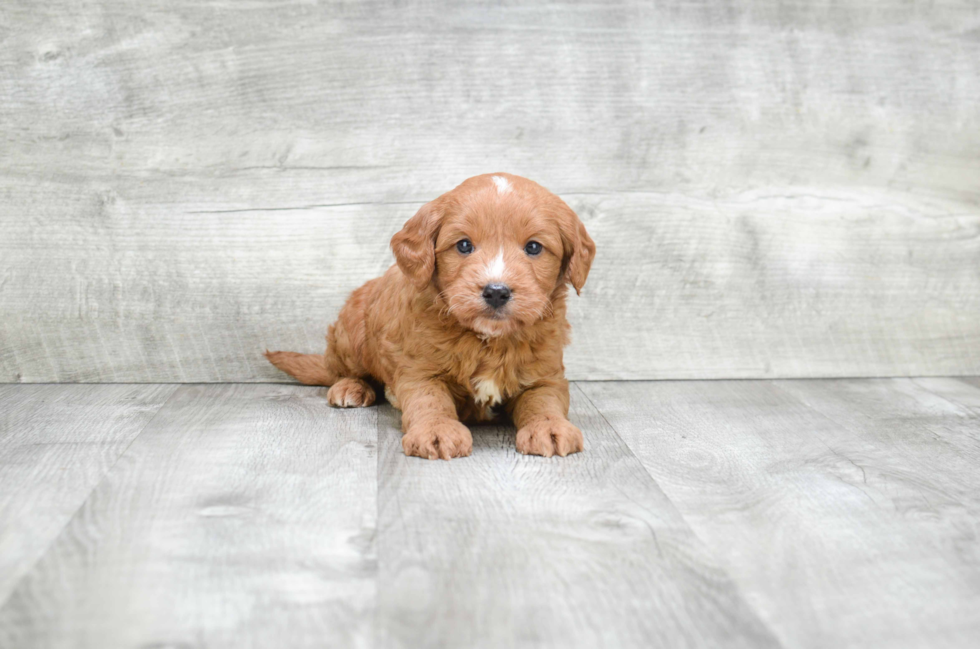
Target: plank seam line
{"x": 61, "y": 530}
{"x": 944, "y": 397}
{"x": 646, "y": 472}
{"x": 774, "y": 383}
{"x": 852, "y": 429}
{"x": 615, "y": 432}
{"x": 303, "y": 207}
{"x": 736, "y": 586}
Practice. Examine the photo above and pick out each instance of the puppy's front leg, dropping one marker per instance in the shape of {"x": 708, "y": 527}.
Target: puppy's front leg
{"x": 541, "y": 416}
{"x": 431, "y": 427}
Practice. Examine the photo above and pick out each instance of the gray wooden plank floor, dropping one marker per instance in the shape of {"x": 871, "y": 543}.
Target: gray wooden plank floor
{"x": 846, "y": 510}
{"x": 704, "y": 513}
{"x": 504, "y": 550}
{"x": 241, "y": 516}
{"x": 56, "y": 444}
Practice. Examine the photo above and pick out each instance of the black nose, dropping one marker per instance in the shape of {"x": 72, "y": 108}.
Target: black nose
{"x": 496, "y": 295}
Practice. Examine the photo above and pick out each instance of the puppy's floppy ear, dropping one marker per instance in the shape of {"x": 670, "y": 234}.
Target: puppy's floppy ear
{"x": 415, "y": 244}
{"x": 578, "y": 247}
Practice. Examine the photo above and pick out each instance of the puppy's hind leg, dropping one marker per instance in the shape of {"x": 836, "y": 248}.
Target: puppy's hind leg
{"x": 313, "y": 369}
{"x": 340, "y": 365}
{"x": 350, "y": 392}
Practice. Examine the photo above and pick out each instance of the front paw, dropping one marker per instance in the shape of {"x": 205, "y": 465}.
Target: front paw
{"x": 548, "y": 437}
{"x": 444, "y": 438}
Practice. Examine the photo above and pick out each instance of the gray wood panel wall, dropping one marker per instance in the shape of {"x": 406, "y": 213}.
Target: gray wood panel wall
{"x": 775, "y": 189}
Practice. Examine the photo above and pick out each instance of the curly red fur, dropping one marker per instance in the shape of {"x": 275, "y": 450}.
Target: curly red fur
{"x": 444, "y": 356}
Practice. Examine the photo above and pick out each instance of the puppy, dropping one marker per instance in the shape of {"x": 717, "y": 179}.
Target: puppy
{"x": 469, "y": 324}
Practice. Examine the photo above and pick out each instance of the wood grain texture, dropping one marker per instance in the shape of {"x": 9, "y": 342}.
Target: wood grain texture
{"x": 56, "y": 444}
{"x": 963, "y": 391}
{"x": 242, "y": 516}
{"x": 776, "y": 190}
{"x": 846, "y": 511}
{"x": 505, "y": 550}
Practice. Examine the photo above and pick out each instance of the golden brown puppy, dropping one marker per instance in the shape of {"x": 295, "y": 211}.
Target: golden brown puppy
{"x": 469, "y": 322}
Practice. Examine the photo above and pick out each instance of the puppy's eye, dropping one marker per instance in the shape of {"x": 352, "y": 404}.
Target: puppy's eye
{"x": 533, "y": 248}
{"x": 464, "y": 246}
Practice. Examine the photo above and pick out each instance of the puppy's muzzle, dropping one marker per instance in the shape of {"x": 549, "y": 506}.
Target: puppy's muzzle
{"x": 496, "y": 295}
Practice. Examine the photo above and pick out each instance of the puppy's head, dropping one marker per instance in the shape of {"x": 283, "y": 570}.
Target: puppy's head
{"x": 496, "y": 249}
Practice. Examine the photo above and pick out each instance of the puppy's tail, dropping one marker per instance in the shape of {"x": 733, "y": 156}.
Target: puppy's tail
{"x": 310, "y": 369}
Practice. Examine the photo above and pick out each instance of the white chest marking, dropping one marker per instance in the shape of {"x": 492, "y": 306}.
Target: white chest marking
{"x": 502, "y": 185}
{"x": 390, "y": 396}
{"x": 487, "y": 392}
{"x": 495, "y": 269}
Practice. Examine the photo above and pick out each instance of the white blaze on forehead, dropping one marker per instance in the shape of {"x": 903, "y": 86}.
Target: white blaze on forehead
{"x": 495, "y": 269}
{"x": 487, "y": 392}
{"x": 502, "y": 185}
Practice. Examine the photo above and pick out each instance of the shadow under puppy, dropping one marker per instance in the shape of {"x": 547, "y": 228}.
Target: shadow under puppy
{"x": 469, "y": 322}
